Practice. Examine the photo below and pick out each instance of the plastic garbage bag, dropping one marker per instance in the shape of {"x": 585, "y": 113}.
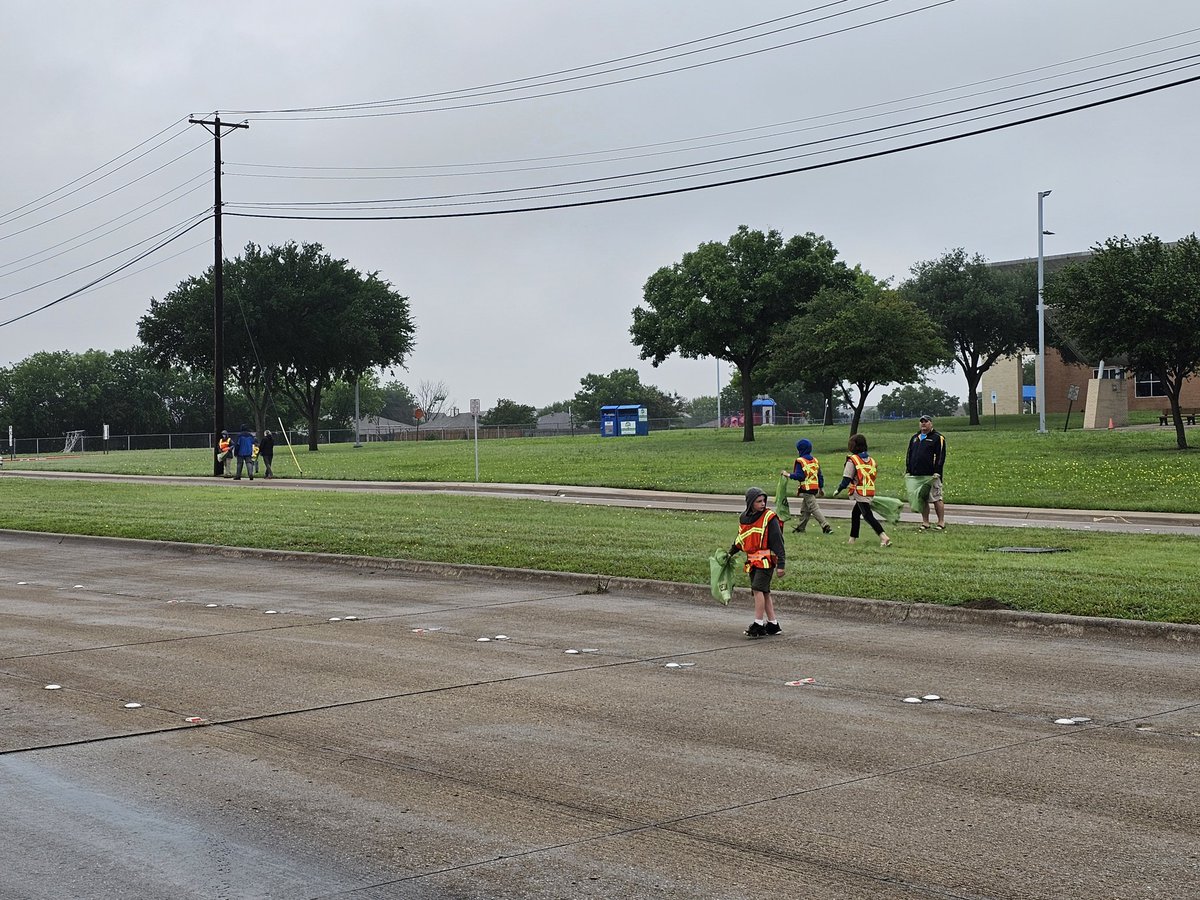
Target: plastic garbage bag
{"x": 887, "y": 508}
{"x": 721, "y": 572}
{"x": 781, "y": 499}
{"x": 917, "y": 487}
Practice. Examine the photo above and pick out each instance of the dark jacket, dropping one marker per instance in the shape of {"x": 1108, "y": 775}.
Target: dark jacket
{"x": 926, "y": 457}
{"x": 244, "y": 444}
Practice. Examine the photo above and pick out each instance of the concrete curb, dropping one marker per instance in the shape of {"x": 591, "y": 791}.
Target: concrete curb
{"x": 851, "y": 608}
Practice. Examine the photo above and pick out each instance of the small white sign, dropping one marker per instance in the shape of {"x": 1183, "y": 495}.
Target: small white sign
{"x": 475, "y": 407}
{"x": 993, "y": 398}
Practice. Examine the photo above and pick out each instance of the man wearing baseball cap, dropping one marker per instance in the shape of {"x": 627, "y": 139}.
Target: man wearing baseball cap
{"x": 927, "y": 457}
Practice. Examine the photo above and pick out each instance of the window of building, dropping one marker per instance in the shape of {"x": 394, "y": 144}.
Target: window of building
{"x": 1147, "y": 385}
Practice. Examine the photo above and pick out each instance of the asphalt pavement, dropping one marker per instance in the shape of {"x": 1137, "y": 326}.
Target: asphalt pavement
{"x": 316, "y": 727}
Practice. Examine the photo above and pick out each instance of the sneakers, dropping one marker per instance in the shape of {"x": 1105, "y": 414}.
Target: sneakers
{"x": 773, "y": 628}
{"x": 756, "y": 631}
{"x": 799, "y": 529}
{"x": 827, "y": 529}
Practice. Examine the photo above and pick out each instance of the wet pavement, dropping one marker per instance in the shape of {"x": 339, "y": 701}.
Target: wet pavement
{"x": 357, "y": 738}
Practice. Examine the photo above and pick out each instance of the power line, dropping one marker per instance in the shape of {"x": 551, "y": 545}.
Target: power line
{"x": 745, "y": 180}
{"x": 759, "y": 154}
{"x": 10, "y": 217}
{"x": 609, "y": 156}
{"x": 580, "y": 88}
{"x": 108, "y": 275}
{"x": 546, "y": 76}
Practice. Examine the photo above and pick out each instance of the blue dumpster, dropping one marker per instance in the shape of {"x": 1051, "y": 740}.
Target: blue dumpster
{"x": 624, "y": 420}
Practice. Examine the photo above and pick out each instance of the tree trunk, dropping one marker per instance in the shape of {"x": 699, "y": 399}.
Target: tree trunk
{"x": 1173, "y": 391}
{"x": 973, "y": 376}
{"x": 747, "y": 409}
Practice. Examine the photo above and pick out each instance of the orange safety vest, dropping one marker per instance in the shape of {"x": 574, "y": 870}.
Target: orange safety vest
{"x": 864, "y": 476}
{"x": 812, "y": 475}
{"x": 224, "y": 444}
{"x": 752, "y": 539}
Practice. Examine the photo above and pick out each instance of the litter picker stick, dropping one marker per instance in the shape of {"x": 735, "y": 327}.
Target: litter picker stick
{"x": 289, "y": 443}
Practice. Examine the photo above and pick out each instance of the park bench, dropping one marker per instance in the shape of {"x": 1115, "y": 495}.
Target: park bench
{"x": 1188, "y": 415}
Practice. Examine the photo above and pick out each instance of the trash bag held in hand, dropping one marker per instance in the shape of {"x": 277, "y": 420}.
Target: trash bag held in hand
{"x": 918, "y": 488}
{"x": 721, "y": 572}
{"x": 781, "y": 499}
{"x": 887, "y": 508}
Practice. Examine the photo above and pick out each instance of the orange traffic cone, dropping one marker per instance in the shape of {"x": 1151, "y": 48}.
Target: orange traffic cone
{"x": 1110, "y": 423}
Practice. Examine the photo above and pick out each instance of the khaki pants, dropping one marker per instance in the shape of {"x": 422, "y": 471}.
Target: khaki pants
{"x": 810, "y": 509}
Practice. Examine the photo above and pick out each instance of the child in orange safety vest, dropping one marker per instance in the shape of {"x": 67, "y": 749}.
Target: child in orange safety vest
{"x": 807, "y": 471}
{"x": 859, "y": 476}
{"x": 760, "y": 537}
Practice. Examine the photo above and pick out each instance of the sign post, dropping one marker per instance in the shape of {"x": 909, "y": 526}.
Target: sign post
{"x": 475, "y": 416}
{"x": 993, "y": 410}
{"x": 1072, "y": 396}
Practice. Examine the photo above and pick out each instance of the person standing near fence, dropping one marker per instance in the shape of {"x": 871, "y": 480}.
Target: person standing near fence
{"x": 225, "y": 454}
{"x": 859, "y": 476}
{"x": 807, "y": 471}
{"x": 266, "y": 452}
{"x": 926, "y": 458}
{"x": 243, "y": 448}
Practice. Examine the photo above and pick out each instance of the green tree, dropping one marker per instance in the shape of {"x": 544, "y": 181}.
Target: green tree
{"x": 296, "y": 320}
{"x": 1138, "y": 300}
{"x": 398, "y": 402}
{"x": 506, "y": 412}
{"x": 912, "y": 400}
{"x": 725, "y": 300}
{"x": 981, "y": 312}
{"x": 621, "y": 387}
{"x": 867, "y": 334}
{"x": 339, "y": 401}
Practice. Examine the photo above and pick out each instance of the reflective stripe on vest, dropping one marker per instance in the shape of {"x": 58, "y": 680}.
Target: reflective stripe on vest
{"x": 864, "y": 476}
{"x": 812, "y": 470}
{"x": 752, "y": 539}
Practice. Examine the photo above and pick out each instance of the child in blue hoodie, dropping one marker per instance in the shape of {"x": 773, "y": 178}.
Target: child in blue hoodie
{"x": 807, "y": 471}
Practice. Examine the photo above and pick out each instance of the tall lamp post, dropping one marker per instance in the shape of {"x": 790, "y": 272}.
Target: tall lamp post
{"x": 1041, "y": 319}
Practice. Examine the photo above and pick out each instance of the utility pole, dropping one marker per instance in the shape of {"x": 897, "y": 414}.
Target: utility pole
{"x": 214, "y": 127}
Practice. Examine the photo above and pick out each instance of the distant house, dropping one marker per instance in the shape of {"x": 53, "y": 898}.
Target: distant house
{"x": 379, "y": 428}
{"x": 554, "y": 422}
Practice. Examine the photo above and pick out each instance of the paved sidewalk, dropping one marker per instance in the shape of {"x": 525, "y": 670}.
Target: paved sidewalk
{"x": 1010, "y": 516}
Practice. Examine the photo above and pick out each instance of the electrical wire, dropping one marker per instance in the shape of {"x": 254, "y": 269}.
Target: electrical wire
{"x": 105, "y": 277}
{"x": 758, "y": 154}
{"x": 9, "y": 216}
{"x": 609, "y": 155}
{"x": 399, "y": 112}
{"x": 546, "y": 77}
{"x": 45, "y": 250}
{"x": 103, "y": 259}
{"x": 744, "y": 180}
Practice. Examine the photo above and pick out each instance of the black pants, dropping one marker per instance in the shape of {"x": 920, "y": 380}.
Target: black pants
{"x": 863, "y": 510}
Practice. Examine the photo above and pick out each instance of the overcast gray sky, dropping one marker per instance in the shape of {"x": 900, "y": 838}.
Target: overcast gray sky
{"x": 522, "y": 306}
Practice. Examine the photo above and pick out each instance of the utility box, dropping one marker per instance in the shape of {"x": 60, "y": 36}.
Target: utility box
{"x": 625, "y": 420}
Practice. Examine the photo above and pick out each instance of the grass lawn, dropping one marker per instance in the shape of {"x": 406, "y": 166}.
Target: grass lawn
{"x": 1124, "y": 576}
{"x": 1005, "y": 464}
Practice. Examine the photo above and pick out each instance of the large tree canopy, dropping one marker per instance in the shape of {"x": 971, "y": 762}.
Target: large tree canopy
{"x": 1137, "y": 300}
{"x": 296, "y": 320}
{"x": 725, "y": 300}
{"x": 865, "y": 336}
{"x": 982, "y": 313}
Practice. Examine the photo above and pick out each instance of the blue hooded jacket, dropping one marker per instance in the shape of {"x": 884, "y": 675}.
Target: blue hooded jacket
{"x": 804, "y": 450}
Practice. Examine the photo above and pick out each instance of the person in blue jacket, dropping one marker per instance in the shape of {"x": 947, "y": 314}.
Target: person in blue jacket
{"x": 807, "y": 471}
{"x": 243, "y": 449}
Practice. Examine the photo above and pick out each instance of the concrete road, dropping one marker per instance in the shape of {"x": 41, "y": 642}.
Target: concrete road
{"x": 397, "y": 755}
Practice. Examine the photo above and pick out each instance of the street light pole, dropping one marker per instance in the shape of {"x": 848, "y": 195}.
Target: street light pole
{"x": 1041, "y": 319}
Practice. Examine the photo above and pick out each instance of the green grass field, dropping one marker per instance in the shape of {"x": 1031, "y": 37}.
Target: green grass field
{"x": 1124, "y": 576}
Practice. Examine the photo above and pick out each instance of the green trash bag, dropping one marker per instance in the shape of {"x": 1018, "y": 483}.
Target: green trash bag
{"x": 887, "y": 508}
{"x": 781, "y": 499}
{"x": 917, "y": 487}
{"x": 721, "y": 572}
